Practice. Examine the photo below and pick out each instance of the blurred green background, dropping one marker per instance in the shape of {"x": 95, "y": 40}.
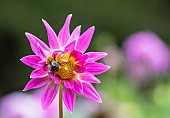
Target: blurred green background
{"x": 114, "y": 20}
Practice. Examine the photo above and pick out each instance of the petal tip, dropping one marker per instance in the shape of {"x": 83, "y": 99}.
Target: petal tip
{"x": 107, "y": 68}
{"x": 70, "y": 15}
{"x": 79, "y": 26}
{"x": 100, "y": 101}
{"x": 44, "y": 107}
{"x": 21, "y": 59}
{"x": 43, "y": 20}
{"x": 71, "y": 110}
{"x": 93, "y": 27}
{"x": 25, "y": 88}
{"x": 27, "y": 33}
{"x": 105, "y": 54}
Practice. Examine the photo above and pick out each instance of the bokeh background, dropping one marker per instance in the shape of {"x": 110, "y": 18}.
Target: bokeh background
{"x": 140, "y": 91}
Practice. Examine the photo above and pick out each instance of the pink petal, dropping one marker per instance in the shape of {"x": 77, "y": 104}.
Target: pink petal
{"x": 31, "y": 60}
{"x": 38, "y": 73}
{"x": 55, "y": 78}
{"x": 51, "y": 89}
{"x": 89, "y": 78}
{"x": 33, "y": 42}
{"x": 56, "y": 52}
{"x": 75, "y": 35}
{"x": 78, "y": 87}
{"x": 42, "y": 53}
{"x": 94, "y": 56}
{"x": 69, "y": 84}
{"x": 70, "y": 47}
{"x": 69, "y": 98}
{"x": 90, "y": 92}
{"x": 80, "y": 69}
{"x": 52, "y": 37}
{"x": 42, "y": 65}
{"x": 85, "y": 39}
{"x": 83, "y": 59}
{"x": 96, "y": 68}
{"x": 64, "y": 33}
{"x": 36, "y": 83}
{"x": 76, "y": 54}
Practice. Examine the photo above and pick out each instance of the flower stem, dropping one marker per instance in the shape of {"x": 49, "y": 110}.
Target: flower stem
{"x": 60, "y": 102}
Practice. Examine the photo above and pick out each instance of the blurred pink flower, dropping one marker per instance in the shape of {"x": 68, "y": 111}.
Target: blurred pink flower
{"x": 20, "y": 105}
{"x": 147, "y": 55}
{"x": 115, "y": 58}
{"x": 64, "y": 64}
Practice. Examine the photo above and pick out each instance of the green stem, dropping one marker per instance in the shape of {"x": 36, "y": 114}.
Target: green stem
{"x": 60, "y": 102}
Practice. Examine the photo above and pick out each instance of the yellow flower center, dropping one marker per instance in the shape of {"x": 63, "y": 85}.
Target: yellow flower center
{"x": 62, "y": 65}
{"x": 66, "y": 70}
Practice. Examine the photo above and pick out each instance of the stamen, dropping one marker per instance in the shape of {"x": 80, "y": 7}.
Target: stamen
{"x": 66, "y": 70}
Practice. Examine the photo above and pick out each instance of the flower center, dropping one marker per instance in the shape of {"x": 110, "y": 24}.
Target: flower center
{"x": 62, "y": 66}
{"x": 66, "y": 70}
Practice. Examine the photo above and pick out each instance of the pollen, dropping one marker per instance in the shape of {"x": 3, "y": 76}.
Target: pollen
{"x": 66, "y": 70}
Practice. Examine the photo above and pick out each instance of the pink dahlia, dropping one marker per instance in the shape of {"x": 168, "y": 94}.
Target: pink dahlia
{"x": 146, "y": 54}
{"x": 21, "y": 105}
{"x": 63, "y": 65}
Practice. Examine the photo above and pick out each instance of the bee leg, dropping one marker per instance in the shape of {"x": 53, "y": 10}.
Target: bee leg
{"x": 45, "y": 66}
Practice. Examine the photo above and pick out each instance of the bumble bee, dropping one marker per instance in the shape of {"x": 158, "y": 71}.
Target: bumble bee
{"x": 54, "y": 66}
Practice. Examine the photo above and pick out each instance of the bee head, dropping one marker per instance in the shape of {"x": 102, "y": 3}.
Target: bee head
{"x": 54, "y": 66}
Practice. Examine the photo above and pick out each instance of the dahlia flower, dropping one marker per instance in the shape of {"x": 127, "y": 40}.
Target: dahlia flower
{"x": 63, "y": 66}
{"x": 21, "y": 105}
{"x": 146, "y": 54}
